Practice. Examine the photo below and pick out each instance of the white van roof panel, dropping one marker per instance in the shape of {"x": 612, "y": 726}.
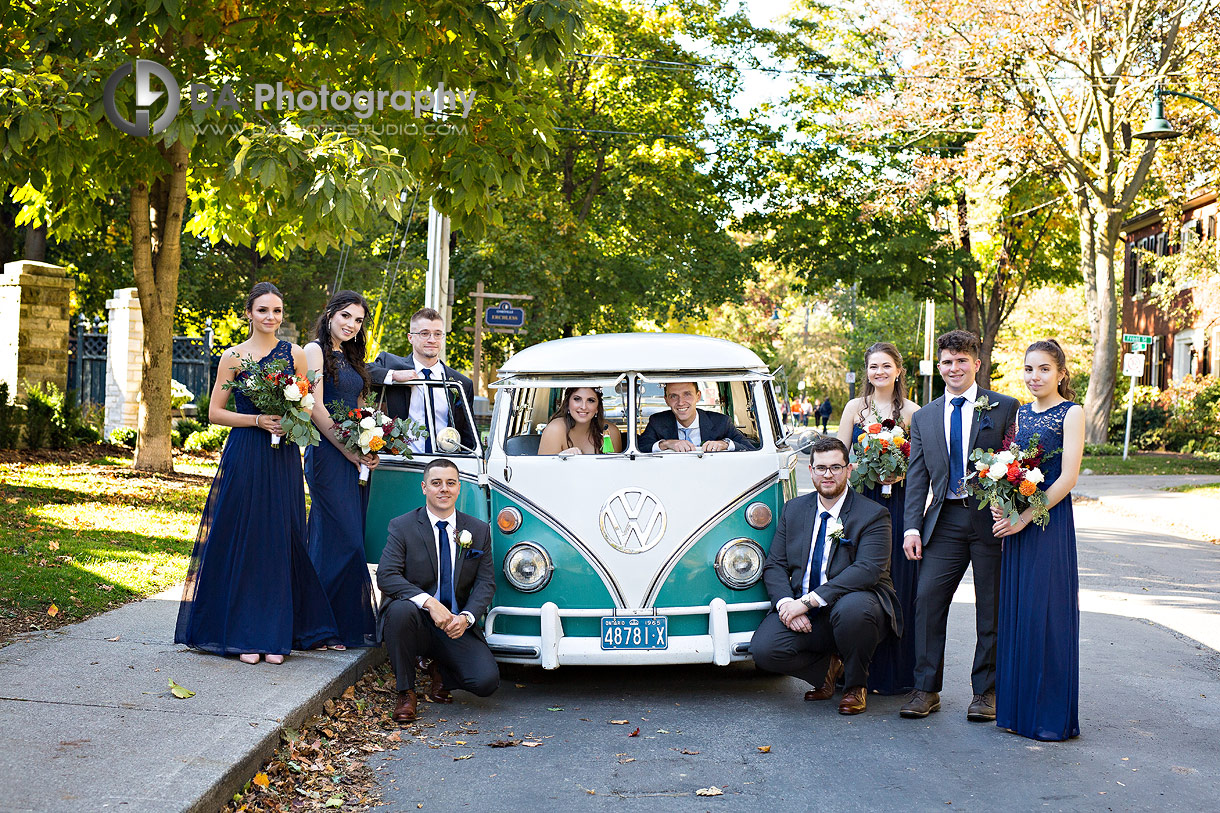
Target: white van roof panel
{"x": 617, "y": 352}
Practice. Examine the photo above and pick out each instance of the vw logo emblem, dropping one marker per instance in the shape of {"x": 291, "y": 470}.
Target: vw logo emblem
{"x": 633, "y": 520}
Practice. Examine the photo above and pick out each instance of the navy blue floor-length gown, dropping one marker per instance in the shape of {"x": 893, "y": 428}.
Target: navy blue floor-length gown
{"x": 250, "y": 586}
{"x": 893, "y": 668}
{"x": 1038, "y": 651}
{"x": 336, "y": 521}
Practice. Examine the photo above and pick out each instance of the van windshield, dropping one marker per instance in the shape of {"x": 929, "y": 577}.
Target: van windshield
{"x": 629, "y": 412}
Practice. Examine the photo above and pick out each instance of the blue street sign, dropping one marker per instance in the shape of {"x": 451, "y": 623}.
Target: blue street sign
{"x": 505, "y": 315}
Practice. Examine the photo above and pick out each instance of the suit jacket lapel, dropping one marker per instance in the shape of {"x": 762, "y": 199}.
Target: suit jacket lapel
{"x": 941, "y": 445}
{"x": 458, "y": 559}
{"x": 429, "y": 539}
{"x": 705, "y": 426}
{"x": 804, "y": 527}
{"x": 978, "y": 418}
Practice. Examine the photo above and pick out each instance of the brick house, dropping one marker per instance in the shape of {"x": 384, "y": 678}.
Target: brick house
{"x": 1177, "y": 349}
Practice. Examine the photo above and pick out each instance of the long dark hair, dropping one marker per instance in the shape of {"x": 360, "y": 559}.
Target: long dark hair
{"x": 1052, "y": 349}
{"x": 597, "y": 425}
{"x": 900, "y": 381}
{"x": 260, "y": 289}
{"x": 353, "y": 348}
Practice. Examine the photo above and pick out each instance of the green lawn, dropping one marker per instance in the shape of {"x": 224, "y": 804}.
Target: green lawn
{"x": 79, "y": 538}
{"x": 1150, "y": 463}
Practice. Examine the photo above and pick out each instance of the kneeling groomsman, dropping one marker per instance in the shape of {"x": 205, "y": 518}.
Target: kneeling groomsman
{"x": 436, "y": 580}
{"x": 828, "y": 577}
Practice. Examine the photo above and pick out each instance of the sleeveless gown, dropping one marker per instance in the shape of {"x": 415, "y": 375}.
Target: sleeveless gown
{"x": 250, "y": 586}
{"x": 893, "y": 668}
{"x": 336, "y": 521}
{"x": 1038, "y": 649}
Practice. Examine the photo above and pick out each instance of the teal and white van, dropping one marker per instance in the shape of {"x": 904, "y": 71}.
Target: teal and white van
{"x": 636, "y": 557}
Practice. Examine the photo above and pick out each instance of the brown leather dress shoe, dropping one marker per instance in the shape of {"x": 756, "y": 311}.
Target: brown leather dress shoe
{"x": 854, "y": 700}
{"x": 982, "y": 708}
{"x": 404, "y": 711}
{"x": 920, "y": 704}
{"x": 437, "y": 693}
{"x": 827, "y": 689}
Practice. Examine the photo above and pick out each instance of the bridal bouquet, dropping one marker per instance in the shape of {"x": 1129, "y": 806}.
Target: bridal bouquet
{"x": 1009, "y": 479}
{"x": 881, "y": 453}
{"x": 275, "y": 390}
{"x": 367, "y": 431}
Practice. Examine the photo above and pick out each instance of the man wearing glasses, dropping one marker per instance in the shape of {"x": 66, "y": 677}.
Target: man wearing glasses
{"x": 828, "y": 578}
{"x": 427, "y": 336}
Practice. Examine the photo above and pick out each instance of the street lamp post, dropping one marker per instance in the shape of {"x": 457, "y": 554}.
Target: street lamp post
{"x": 1158, "y": 128}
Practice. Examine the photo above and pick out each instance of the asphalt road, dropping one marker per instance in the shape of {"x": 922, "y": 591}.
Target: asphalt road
{"x": 1150, "y": 710}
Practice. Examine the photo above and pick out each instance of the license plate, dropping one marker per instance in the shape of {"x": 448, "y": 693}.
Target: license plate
{"x": 635, "y": 633}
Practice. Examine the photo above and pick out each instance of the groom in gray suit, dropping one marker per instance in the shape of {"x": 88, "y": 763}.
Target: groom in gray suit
{"x": 953, "y": 533}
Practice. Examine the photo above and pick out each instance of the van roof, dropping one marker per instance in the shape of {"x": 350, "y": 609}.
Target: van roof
{"x": 638, "y": 352}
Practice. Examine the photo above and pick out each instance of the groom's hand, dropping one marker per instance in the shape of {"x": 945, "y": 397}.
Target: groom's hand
{"x": 912, "y": 546}
{"x": 439, "y": 612}
{"x": 677, "y": 446}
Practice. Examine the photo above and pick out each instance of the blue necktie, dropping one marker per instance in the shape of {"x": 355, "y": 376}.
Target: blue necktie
{"x": 431, "y": 413}
{"x": 819, "y": 550}
{"x": 957, "y": 466}
{"x": 445, "y": 585}
{"x": 685, "y": 431}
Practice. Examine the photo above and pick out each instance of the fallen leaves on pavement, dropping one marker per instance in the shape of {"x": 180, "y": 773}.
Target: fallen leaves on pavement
{"x": 180, "y": 692}
{"x": 712, "y": 791}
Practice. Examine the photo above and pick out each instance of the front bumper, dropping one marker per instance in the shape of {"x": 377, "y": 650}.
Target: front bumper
{"x": 553, "y": 649}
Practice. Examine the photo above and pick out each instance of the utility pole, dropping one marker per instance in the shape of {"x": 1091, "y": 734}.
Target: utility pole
{"x": 508, "y": 316}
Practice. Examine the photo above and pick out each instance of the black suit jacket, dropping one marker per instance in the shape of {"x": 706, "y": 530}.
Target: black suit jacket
{"x": 859, "y": 561}
{"x": 928, "y": 469}
{"x": 409, "y": 565}
{"x": 398, "y": 396}
{"x": 712, "y": 426}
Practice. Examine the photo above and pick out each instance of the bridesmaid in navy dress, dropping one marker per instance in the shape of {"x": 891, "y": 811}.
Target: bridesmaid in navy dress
{"x": 250, "y": 589}
{"x": 337, "y": 500}
{"x": 893, "y": 668}
{"x": 1038, "y": 651}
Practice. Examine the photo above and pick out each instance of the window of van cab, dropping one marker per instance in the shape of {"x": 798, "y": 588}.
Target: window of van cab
{"x": 533, "y": 407}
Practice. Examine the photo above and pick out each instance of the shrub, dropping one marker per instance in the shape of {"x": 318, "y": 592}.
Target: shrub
{"x": 207, "y": 440}
{"x": 201, "y": 411}
{"x": 187, "y": 427}
{"x": 123, "y": 436}
{"x": 44, "y": 417}
{"x": 1193, "y": 405}
{"x": 10, "y": 426}
{"x": 1148, "y": 420}
{"x": 1103, "y": 449}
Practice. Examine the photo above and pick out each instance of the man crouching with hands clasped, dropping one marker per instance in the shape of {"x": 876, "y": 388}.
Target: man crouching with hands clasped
{"x": 828, "y": 576}
{"x": 436, "y": 580}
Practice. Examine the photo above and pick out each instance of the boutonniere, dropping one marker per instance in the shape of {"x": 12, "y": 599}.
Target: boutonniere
{"x": 983, "y": 405}
{"x": 834, "y": 530}
{"x": 464, "y": 541}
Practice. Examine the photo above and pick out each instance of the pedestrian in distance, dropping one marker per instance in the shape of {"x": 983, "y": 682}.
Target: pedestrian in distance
{"x": 825, "y": 409}
{"x": 806, "y": 410}
{"x": 828, "y": 580}
{"x": 250, "y": 588}
{"x": 953, "y": 532}
{"x": 436, "y": 579}
{"x": 1038, "y": 653}
{"x": 884, "y": 399}
{"x": 390, "y": 373}
{"x": 337, "y": 500}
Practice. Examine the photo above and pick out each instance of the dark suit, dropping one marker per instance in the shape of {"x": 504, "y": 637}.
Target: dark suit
{"x": 408, "y": 567}
{"x": 398, "y": 396}
{"x": 861, "y": 606}
{"x": 953, "y": 536}
{"x": 712, "y": 426}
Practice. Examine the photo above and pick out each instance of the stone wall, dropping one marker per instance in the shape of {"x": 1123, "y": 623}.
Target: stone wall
{"x": 35, "y": 306}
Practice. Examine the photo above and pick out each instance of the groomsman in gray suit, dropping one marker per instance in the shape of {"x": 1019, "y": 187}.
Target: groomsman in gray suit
{"x": 953, "y": 533}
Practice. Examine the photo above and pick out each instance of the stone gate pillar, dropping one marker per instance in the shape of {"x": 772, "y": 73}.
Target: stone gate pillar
{"x": 124, "y": 356}
{"x": 35, "y": 304}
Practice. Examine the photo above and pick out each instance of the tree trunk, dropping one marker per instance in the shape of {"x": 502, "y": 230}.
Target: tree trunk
{"x": 972, "y": 309}
{"x": 1098, "y": 242}
{"x": 156, "y": 234}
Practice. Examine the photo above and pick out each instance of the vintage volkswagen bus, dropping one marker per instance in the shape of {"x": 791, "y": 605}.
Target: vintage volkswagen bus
{"x": 637, "y": 557}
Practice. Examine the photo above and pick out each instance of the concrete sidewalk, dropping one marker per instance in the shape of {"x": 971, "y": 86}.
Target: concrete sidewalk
{"x": 1188, "y": 514}
{"x": 87, "y": 720}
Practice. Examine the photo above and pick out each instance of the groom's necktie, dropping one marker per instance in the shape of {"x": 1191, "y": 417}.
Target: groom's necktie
{"x": 445, "y": 583}
{"x": 957, "y": 464}
{"x": 431, "y": 411}
{"x": 814, "y": 569}
{"x": 685, "y": 432}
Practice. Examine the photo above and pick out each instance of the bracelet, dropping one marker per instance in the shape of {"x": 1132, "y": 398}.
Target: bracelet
{"x": 256, "y": 421}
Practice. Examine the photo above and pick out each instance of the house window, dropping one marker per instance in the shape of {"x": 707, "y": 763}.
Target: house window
{"x": 1211, "y": 227}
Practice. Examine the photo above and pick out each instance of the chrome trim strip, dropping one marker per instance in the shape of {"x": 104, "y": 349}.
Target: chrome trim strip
{"x": 612, "y": 585}
{"x": 516, "y": 651}
{"x": 658, "y": 581}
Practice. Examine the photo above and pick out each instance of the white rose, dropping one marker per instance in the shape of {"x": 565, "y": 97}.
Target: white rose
{"x": 1005, "y": 457}
{"x": 365, "y": 438}
{"x": 997, "y": 472}
{"x": 465, "y": 539}
{"x": 386, "y": 419}
{"x": 1035, "y": 476}
{"x": 833, "y": 526}
{"x": 367, "y": 423}
{"x": 980, "y": 465}
{"x": 898, "y": 433}
{"x": 292, "y": 392}
{"x": 307, "y": 402}
{"x": 886, "y": 436}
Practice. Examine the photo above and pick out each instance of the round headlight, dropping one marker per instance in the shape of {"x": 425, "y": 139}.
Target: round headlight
{"x": 527, "y": 567}
{"x": 758, "y": 515}
{"x": 508, "y": 520}
{"x": 739, "y": 563}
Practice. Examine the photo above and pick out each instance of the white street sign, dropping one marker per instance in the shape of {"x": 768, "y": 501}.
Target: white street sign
{"x": 1133, "y": 364}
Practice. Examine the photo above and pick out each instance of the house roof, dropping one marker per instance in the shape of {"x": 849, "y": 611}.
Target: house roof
{"x": 1150, "y": 217}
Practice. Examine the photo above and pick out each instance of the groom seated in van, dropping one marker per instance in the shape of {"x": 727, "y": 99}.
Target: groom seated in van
{"x": 685, "y": 428}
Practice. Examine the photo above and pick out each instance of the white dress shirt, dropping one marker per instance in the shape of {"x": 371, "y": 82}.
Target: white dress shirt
{"x": 690, "y": 433}
{"x": 419, "y": 405}
{"x": 451, "y": 551}
{"x": 825, "y": 563}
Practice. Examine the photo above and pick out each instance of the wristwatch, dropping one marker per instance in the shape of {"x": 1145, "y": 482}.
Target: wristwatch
{"x": 808, "y": 603}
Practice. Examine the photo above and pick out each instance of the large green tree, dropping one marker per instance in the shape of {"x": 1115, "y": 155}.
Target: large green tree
{"x": 271, "y": 179}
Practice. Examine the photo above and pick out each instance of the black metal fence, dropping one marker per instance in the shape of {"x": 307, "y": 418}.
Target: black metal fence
{"x": 194, "y": 363}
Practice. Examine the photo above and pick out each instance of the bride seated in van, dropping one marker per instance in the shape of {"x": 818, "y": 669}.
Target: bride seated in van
{"x": 580, "y": 427}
